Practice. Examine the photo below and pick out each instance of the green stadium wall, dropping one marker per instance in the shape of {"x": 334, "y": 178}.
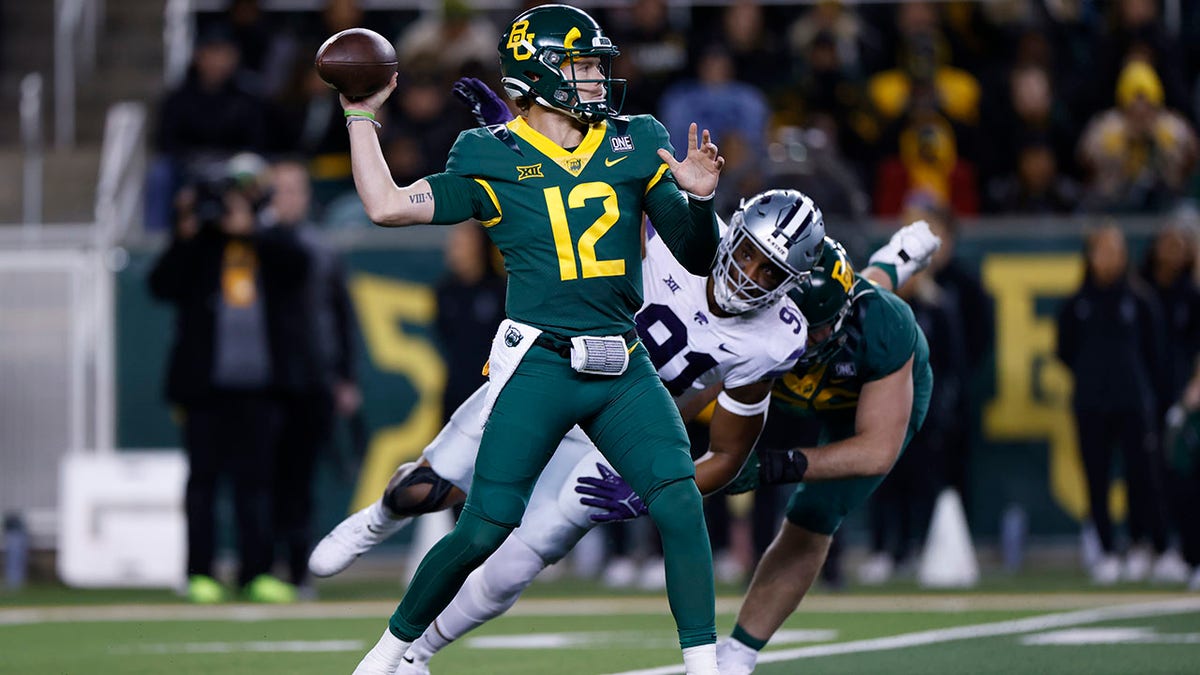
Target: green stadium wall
{"x": 1024, "y": 449}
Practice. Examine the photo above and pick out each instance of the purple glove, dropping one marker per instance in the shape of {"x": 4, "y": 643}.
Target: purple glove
{"x": 611, "y": 493}
{"x": 485, "y": 105}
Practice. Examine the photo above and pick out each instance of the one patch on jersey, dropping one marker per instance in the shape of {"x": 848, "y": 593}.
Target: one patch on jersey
{"x": 845, "y": 369}
{"x": 531, "y": 171}
{"x": 621, "y": 143}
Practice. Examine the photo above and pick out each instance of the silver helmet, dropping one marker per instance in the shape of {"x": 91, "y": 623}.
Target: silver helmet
{"x": 786, "y": 227}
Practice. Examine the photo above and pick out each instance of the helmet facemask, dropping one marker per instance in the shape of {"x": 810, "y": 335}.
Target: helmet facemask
{"x": 822, "y": 350}
{"x": 567, "y": 95}
{"x": 787, "y": 228}
{"x": 737, "y": 292}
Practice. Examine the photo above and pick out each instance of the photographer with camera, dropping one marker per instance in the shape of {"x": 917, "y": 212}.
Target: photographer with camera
{"x": 240, "y": 344}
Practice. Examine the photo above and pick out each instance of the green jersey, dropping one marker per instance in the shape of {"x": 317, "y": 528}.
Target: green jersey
{"x": 568, "y": 222}
{"x": 881, "y": 335}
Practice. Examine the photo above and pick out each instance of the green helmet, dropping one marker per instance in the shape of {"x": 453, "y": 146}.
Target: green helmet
{"x": 824, "y": 297}
{"x": 544, "y": 41}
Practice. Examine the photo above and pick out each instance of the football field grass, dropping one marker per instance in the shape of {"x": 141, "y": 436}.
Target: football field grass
{"x": 894, "y": 633}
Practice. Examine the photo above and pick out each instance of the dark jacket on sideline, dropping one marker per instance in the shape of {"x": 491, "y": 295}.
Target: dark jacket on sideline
{"x": 188, "y": 275}
{"x": 1112, "y": 339}
{"x": 1180, "y": 303}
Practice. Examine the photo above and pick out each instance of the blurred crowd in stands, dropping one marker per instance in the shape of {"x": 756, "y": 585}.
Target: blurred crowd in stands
{"x": 945, "y": 111}
{"x": 1011, "y": 107}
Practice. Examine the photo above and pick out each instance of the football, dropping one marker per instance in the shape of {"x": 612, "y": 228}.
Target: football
{"x": 357, "y": 62}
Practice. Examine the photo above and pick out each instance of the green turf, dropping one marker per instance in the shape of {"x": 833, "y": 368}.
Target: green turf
{"x": 1006, "y": 655}
{"x": 604, "y": 644}
{"x": 614, "y": 644}
{"x": 594, "y": 645}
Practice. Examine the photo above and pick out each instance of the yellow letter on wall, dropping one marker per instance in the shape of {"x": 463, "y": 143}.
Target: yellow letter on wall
{"x": 1033, "y": 389}
{"x": 384, "y": 306}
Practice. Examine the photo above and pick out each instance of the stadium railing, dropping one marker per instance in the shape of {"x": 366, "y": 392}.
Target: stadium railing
{"x": 57, "y": 330}
{"x": 76, "y": 26}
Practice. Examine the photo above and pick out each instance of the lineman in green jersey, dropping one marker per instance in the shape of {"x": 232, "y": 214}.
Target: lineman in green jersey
{"x": 562, "y": 189}
{"x": 866, "y": 378}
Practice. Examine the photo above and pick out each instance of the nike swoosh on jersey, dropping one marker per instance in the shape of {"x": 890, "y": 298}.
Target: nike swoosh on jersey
{"x": 608, "y": 161}
{"x": 725, "y": 349}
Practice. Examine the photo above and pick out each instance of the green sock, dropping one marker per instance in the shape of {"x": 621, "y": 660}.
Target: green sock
{"x": 747, "y": 639}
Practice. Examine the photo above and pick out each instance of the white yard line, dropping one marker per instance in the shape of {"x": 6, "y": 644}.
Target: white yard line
{"x": 949, "y": 603}
{"x": 254, "y": 646}
{"x": 982, "y": 630}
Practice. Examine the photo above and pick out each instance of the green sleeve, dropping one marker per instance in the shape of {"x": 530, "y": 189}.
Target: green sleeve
{"x": 458, "y": 198}
{"x": 687, "y": 226}
{"x": 889, "y": 335}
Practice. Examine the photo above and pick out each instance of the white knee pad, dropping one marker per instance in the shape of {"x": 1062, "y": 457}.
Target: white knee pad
{"x": 499, "y": 581}
{"x": 555, "y": 520}
{"x": 453, "y": 451}
{"x": 568, "y": 499}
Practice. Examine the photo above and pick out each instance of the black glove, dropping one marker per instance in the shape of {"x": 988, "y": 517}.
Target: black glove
{"x": 485, "y": 105}
{"x": 775, "y": 468}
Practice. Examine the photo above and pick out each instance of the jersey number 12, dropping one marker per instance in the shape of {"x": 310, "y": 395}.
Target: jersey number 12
{"x": 589, "y": 266}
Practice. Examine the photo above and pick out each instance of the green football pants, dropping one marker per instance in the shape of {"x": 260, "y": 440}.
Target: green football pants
{"x": 634, "y": 423}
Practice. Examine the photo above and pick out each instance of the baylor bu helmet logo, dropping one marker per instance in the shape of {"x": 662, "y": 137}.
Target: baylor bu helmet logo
{"x": 520, "y": 41}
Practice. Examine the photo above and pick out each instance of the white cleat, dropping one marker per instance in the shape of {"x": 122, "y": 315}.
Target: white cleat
{"x": 700, "y": 660}
{"x": 735, "y": 658}
{"x": 1137, "y": 564}
{"x": 352, "y": 537}
{"x": 1106, "y": 571}
{"x": 1170, "y": 568}
{"x": 384, "y": 657}
{"x": 410, "y": 666}
{"x": 876, "y": 570}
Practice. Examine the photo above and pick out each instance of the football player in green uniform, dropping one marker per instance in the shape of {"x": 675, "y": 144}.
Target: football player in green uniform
{"x": 562, "y": 189}
{"x": 866, "y": 378}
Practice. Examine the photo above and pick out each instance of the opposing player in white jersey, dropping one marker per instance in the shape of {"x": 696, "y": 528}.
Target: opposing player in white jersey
{"x": 735, "y": 329}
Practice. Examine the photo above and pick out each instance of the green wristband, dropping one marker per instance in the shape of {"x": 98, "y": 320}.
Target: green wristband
{"x": 350, "y": 112}
{"x": 890, "y": 270}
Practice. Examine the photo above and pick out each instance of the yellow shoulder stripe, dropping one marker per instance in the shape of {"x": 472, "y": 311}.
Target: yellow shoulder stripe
{"x": 495, "y": 202}
{"x": 657, "y": 177}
